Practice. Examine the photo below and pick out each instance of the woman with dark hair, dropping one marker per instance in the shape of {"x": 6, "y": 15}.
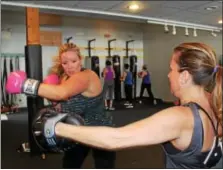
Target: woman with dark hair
{"x": 146, "y": 83}
{"x": 109, "y": 75}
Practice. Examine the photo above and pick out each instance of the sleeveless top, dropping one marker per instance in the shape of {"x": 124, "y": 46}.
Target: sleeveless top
{"x": 91, "y": 109}
{"x": 109, "y": 74}
{"x": 146, "y": 79}
{"x": 192, "y": 157}
{"x": 128, "y": 78}
{"x": 109, "y": 80}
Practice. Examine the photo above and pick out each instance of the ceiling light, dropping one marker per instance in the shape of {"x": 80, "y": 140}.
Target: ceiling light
{"x": 186, "y": 31}
{"x": 133, "y": 7}
{"x": 195, "y": 32}
{"x": 220, "y": 21}
{"x": 174, "y": 30}
{"x": 213, "y": 33}
{"x": 211, "y": 8}
{"x": 166, "y": 29}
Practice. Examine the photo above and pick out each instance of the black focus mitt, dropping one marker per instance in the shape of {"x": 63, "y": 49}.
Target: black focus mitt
{"x": 43, "y": 129}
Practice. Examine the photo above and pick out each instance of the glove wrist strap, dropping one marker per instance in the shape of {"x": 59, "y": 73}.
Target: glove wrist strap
{"x": 30, "y": 87}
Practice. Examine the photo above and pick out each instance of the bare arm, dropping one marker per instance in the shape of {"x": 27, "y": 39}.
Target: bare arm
{"x": 123, "y": 76}
{"x": 163, "y": 126}
{"x": 104, "y": 72}
{"x": 76, "y": 84}
{"x": 144, "y": 73}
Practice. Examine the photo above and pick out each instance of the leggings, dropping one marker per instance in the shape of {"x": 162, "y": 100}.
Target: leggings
{"x": 128, "y": 92}
{"x": 148, "y": 88}
{"x": 74, "y": 158}
{"x": 108, "y": 91}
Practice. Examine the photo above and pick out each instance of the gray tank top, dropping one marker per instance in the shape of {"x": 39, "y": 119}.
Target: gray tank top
{"x": 192, "y": 157}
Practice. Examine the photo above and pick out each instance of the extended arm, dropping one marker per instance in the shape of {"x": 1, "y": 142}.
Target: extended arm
{"x": 163, "y": 126}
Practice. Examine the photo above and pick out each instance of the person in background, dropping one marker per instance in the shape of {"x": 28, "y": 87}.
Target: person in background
{"x": 127, "y": 78}
{"x": 109, "y": 75}
{"x": 146, "y": 83}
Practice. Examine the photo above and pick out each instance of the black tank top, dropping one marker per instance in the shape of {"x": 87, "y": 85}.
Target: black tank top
{"x": 192, "y": 157}
{"x": 91, "y": 109}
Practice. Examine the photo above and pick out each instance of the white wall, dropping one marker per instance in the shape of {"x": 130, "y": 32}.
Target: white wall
{"x": 82, "y": 30}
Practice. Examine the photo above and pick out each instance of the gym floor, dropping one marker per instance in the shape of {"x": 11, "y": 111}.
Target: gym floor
{"x": 14, "y": 132}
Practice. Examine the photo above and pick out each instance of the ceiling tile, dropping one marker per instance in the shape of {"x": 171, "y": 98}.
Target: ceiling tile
{"x": 102, "y": 5}
{"x": 187, "y": 11}
{"x": 184, "y": 15}
{"x": 57, "y": 3}
{"x": 147, "y": 9}
{"x": 162, "y": 12}
{"x": 201, "y": 9}
{"x": 183, "y": 4}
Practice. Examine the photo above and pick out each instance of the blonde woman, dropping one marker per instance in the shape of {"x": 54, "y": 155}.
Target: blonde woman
{"x": 80, "y": 92}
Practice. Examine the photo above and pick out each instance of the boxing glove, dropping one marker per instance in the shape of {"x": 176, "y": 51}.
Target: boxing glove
{"x": 17, "y": 82}
{"x": 43, "y": 128}
{"x": 52, "y": 79}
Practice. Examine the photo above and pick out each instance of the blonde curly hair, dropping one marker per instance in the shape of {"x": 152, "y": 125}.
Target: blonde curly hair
{"x": 57, "y": 67}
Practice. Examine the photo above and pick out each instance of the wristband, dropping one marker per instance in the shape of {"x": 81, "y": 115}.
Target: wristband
{"x": 30, "y": 87}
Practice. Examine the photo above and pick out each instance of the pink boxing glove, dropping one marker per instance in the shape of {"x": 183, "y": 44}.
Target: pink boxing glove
{"x": 17, "y": 82}
{"x": 52, "y": 79}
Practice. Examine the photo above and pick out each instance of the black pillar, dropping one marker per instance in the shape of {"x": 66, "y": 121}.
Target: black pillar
{"x": 33, "y": 60}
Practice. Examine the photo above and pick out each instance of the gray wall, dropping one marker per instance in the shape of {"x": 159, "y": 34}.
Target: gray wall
{"x": 158, "y": 47}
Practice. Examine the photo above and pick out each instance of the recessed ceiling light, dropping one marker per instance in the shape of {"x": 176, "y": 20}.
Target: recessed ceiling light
{"x": 133, "y": 7}
{"x": 220, "y": 21}
{"x": 211, "y": 8}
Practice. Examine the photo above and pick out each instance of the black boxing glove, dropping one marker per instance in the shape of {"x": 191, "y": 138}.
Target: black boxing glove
{"x": 43, "y": 129}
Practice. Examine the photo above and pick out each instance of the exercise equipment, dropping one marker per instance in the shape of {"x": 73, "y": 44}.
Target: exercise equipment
{"x": 117, "y": 69}
{"x": 33, "y": 65}
{"x": 133, "y": 69}
{"x": 132, "y": 61}
{"x": 43, "y": 129}
{"x": 8, "y": 101}
{"x": 92, "y": 62}
{"x": 68, "y": 39}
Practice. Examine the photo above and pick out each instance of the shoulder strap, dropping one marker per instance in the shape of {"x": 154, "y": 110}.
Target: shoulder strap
{"x": 215, "y": 129}
{"x": 198, "y": 135}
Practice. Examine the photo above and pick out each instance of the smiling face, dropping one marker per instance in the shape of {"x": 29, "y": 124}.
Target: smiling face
{"x": 71, "y": 62}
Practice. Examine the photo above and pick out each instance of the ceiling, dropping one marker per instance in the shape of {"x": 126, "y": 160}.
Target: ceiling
{"x": 184, "y": 11}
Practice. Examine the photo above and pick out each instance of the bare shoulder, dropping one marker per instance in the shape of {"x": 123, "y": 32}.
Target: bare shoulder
{"x": 92, "y": 75}
{"x": 176, "y": 113}
{"x": 88, "y": 72}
